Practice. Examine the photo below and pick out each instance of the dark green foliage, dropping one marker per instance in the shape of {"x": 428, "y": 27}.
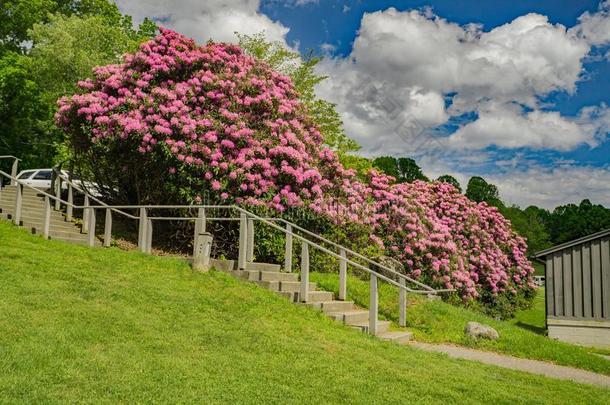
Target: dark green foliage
{"x": 529, "y": 223}
{"x": 46, "y": 46}
{"x": 404, "y": 170}
{"x": 447, "y": 178}
{"x": 571, "y": 221}
{"x": 479, "y": 190}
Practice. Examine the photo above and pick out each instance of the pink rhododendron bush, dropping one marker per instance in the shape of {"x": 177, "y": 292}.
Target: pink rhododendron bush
{"x": 178, "y": 121}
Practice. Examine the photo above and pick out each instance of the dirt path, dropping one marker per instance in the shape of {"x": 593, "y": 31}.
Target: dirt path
{"x": 529, "y": 366}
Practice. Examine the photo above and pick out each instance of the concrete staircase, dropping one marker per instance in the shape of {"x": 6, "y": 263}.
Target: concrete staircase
{"x": 271, "y": 277}
{"x": 32, "y": 216}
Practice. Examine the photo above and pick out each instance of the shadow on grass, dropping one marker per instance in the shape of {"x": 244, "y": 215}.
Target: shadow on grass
{"x": 531, "y": 328}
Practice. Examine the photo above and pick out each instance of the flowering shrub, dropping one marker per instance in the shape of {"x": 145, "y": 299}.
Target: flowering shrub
{"x": 209, "y": 118}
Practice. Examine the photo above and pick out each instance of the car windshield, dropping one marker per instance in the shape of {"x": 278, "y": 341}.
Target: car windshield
{"x": 25, "y": 175}
{"x": 43, "y": 175}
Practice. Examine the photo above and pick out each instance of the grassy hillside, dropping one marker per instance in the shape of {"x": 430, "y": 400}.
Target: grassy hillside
{"x": 95, "y": 325}
{"x": 436, "y": 322}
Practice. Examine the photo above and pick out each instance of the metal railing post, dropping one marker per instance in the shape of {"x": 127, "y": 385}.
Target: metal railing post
{"x": 304, "y": 290}
{"x": 402, "y": 304}
{"x": 288, "y": 250}
{"x": 18, "y": 204}
{"x": 47, "y": 217}
{"x": 142, "y": 238}
{"x": 86, "y": 215}
{"x": 342, "y": 276}
{"x": 373, "y": 305}
{"x": 14, "y": 170}
{"x": 69, "y": 208}
{"x": 57, "y": 193}
{"x": 149, "y": 235}
{"x": 250, "y": 250}
{"x": 243, "y": 241}
{"x": 200, "y": 225}
{"x": 108, "y": 228}
{"x": 1, "y": 185}
{"x": 92, "y": 223}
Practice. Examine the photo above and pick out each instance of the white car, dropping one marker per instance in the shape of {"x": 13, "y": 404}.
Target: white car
{"x": 41, "y": 178}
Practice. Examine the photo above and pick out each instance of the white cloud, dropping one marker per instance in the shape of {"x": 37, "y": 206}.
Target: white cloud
{"x": 415, "y": 59}
{"x": 508, "y": 127}
{"x": 550, "y": 187}
{"x": 209, "y": 19}
{"x": 595, "y": 28}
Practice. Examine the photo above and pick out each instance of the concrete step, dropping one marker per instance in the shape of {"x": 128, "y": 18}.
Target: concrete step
{"x": 222, "y": 265}
{"x": 319, "y": 296}
{"x": 332, "y": 306}
{"x": 267, "y": 267}
{"x": 356, "y": 316}
{"x": 56, "y": 223}
{"x": 382, "y": 326}
{"x": 78, "y": 241}
{"x": 35, "y": 217}
{"x": 290, "y": 286}
{"x": 396, "y": 336}
{"x": 271, "y": 276}
{"x": 75, "y": 234}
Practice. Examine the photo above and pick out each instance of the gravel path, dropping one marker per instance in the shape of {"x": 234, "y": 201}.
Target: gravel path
{"x": 529, "y": 366}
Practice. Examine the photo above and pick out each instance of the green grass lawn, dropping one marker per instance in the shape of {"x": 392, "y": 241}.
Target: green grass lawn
{"x": 439, "y": 322}
{"x": 103, "y": 325}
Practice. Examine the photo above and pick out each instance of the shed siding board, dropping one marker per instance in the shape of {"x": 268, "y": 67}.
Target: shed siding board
{"x": 566, "y": 264}
{"x": 596, "y": 279}
{"x": 577, "y": 281}
{"x": 558, "y": 275}
{"x": 605, "y": 259}
{"x": 550, "y": 290}
{"x": 586, "y": 281}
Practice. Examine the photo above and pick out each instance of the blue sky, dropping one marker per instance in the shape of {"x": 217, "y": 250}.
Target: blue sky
{"x": 515, "y": 91}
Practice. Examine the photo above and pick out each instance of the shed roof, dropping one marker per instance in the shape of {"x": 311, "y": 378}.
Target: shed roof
{"x": 571, "y": 243}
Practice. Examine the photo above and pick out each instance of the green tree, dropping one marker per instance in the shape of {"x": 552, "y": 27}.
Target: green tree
{"x": 23, "y": 128}
{"x": 62, "y": 51}
{"x": 17, "y": 17}
{"x": 529, "y": 223}
{"x": 360, "y": 164}
{"x": 405, "y": 170}
{"x": 302, "y": 72}
{"x": 447, "y": 178}
{"x": 571, "y": 221}
{"x": 388, "y": 165}
{"x": 479, "y": 190}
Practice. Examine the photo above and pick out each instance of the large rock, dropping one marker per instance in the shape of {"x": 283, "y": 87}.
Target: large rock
{"x": 477, "y": 330}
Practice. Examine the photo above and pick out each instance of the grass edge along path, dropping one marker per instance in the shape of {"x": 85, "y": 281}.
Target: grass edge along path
{"x": 439, "y": 322}
{"x": 102, "y": 325}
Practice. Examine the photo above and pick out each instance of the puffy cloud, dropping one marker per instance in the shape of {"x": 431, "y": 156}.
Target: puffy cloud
{"x": 595, "y": 28}
{"x": 416, "y": 61}
{"x": 210, "y": 19}
{"x": 550, "y": 187}
{"x": 508, "y": 127}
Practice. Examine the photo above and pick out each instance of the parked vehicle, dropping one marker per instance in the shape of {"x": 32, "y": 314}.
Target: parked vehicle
{"x": 41, "y": 179}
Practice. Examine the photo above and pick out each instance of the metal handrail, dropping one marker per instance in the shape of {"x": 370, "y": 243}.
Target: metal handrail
{"x": 267, "y": 221}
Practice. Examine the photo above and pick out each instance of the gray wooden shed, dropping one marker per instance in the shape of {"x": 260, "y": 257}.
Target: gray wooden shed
{"x": 577, "y": 282}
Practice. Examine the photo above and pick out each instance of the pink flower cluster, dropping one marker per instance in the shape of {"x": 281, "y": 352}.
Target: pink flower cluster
{"x": 238, "y": 126}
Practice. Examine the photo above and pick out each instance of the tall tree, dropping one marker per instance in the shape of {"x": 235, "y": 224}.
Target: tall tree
{"x": 62, "y": 49}
{"x": 410, "y": 171}
{"x": 447, "y": 178}
{"x": 529, "y": 223}
{"x": 302, "y": 72}
{"x": 479, "y": 190}
{"x": 405, "y": 170}
{"x": 388, "y": 165}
